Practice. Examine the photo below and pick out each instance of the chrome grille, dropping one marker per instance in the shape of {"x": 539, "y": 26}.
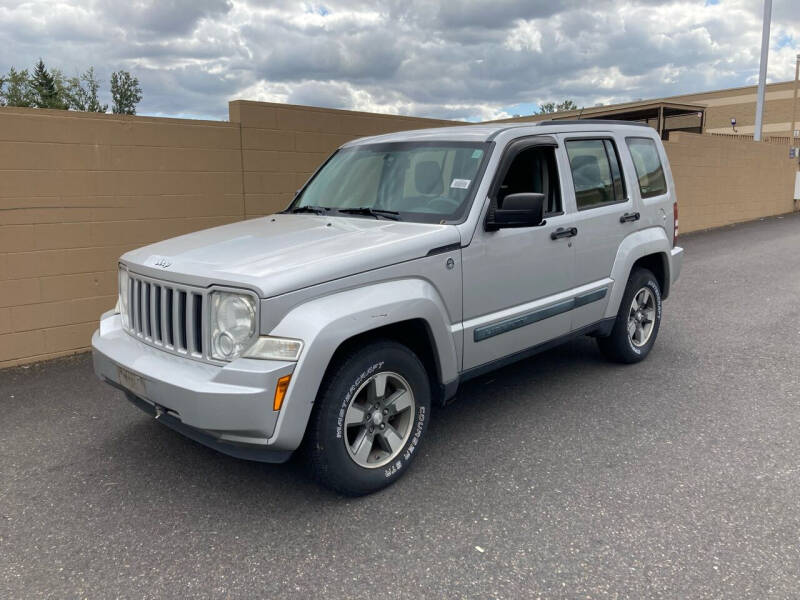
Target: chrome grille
{"x": 167, "y": 315}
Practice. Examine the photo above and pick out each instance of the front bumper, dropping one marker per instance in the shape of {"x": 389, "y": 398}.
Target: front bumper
{"x": 226, "y": 407}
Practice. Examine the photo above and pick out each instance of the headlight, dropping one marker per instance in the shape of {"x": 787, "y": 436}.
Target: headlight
{"x": 122, "y": 300}
{"x": 233, "y": 324}
{"x": 274, "y": 348}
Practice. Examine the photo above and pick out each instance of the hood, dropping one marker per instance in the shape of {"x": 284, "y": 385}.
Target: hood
{"x": 283, "y": 252}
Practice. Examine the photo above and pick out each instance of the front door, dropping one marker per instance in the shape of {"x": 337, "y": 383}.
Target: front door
{"x": 517, "y": 282}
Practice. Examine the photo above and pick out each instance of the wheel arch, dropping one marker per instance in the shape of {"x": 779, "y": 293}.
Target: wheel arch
{"x": 648, "y": 248}
{"x": 415, "y": 334}
{"x": 410, "y": 311}
{"x": 658, "y": 264}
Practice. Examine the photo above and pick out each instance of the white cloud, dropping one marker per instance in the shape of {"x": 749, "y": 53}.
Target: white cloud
{"x": 472, "y": 59}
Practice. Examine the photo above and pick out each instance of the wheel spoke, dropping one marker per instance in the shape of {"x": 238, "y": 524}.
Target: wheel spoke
{"x": 398, "y": 402}
{"x": 379, "y": 386}
{"x": 393, "y": 439}
{"x": 355, "y": 415}
{"x": 635, "y": 304}
{"x": 363, "y": 446}
{"x": 649, "y": 315}
{"x": 645, "y": 301}
{"x": 639, "y": 333}
{"x": 631, "y": 327}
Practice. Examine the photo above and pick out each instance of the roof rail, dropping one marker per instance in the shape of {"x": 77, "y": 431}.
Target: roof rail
{"x": 585, "y": 121}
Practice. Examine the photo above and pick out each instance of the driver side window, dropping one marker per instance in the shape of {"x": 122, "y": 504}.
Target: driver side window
{"x": 534, "y": 170}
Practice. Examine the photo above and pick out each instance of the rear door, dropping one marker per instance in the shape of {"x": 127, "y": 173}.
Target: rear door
{"x": 605, "y": 215}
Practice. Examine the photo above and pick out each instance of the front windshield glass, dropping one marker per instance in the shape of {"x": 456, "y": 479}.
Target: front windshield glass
{"x": 428, "y": 182}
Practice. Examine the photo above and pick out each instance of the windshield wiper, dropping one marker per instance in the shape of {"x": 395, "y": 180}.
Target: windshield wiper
{"x": 317, "y": 210}
{"x": 373, "y": 212}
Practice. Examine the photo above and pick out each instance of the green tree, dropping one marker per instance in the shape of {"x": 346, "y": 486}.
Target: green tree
{"x": 16, "y": 89}
{"x": 92, "y": 84}
{"x": 551, "y": 107}
{"x": 81, "y": 92}
{"x": 48, "y": 90}
{"x": 64, "y": 89}
{"x": 125, "y": 93}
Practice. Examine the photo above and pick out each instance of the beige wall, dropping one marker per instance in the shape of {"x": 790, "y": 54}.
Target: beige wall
{"x": 720, "y": 181}
{"x": 740, "y": 103}
{"x": 77, "y": 190}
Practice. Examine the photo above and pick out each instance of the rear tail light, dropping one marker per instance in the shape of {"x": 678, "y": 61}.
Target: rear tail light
{"x": 675, "y": 231}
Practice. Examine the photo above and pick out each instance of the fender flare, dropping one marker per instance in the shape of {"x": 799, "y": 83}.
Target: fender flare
{"x": 645, "y": 242}
{"x": 325, "y": 323}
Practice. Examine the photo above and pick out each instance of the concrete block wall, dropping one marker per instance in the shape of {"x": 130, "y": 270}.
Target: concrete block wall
{"x": 721, "y": 181}
{"x": 76, "y": 191}
{"x": 283, "y": 144}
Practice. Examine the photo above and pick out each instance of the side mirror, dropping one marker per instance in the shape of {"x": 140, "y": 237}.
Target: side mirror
{"x": 517, "y": 210}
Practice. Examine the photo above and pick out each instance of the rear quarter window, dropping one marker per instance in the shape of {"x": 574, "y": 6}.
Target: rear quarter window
{"x": 649, "y": 170}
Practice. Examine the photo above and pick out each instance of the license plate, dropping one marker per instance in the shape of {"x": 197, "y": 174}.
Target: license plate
{"x": 131, "y": 381}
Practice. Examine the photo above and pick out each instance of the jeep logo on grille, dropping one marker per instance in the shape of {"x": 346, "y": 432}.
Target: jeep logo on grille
{"x": 162, "y": 261}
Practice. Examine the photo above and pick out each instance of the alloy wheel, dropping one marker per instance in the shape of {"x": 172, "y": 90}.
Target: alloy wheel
{"x": 642, "y": 317}
{"x": 379, "y": 419}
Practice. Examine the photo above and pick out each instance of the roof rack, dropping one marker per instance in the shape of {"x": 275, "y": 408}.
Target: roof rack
{"x": 585, "y": 121}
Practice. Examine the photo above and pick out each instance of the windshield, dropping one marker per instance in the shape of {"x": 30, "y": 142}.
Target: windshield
{"x": 427, "y": 182}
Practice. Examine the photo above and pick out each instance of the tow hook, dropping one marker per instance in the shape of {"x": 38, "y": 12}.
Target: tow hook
{"x": 159, "y": 412}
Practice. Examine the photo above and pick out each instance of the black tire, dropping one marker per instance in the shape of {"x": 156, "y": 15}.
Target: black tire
{"x": 328, "y": 437}
{"x": 618, "y": 346}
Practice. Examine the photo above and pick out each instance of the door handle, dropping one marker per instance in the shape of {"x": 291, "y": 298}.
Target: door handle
{"x": 563, "y": 232}
{"x": 629, "y": 217}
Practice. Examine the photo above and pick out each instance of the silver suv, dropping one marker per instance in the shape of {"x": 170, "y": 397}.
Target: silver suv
{"x": 408, "y": 264}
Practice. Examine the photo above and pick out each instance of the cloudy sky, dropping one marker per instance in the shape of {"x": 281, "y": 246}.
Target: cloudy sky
{"x": 470, "y": 59}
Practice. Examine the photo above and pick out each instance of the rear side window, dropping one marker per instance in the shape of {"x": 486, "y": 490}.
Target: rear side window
{"x": 648, "y": 166}
{"x": 596, "y": 173}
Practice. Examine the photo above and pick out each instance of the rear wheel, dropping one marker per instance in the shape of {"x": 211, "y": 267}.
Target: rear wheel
{"x": 638, "y": 320}
{"x": 369, "y": 418}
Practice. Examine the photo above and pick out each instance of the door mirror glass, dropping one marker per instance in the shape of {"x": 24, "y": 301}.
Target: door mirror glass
{"x": 517, "y": 210}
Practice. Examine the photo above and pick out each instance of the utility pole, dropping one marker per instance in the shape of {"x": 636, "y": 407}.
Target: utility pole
{"x": 762, "y": 73}
{"x": 794, "y": 101}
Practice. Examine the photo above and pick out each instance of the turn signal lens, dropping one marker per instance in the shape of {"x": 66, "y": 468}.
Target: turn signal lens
{"x": 274, "y": 348}
{"x": 280, "y": 392}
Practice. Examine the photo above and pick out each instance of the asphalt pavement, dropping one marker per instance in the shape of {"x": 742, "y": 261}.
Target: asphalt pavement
{"x": 562, "y": 476}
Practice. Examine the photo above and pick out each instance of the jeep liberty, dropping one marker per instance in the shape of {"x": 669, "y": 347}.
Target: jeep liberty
{"x": 406, "y": 265}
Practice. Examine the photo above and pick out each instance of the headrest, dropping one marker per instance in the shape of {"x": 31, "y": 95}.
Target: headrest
{"x": 428, "y": 178}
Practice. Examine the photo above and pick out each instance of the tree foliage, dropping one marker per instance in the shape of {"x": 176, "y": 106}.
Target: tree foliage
{"x": 125, "y": 93}
{"x": 83, "y": 92}
{"x": 551, "y": 107}
{"x": 16, "y": 88}
{"x": 50, "y": 88}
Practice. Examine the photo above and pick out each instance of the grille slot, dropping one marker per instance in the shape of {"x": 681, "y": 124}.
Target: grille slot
{"x": 167, "y": 315}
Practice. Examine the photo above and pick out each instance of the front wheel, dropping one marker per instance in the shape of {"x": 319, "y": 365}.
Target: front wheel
{"x": 639, "y": 317}
{"x": 369, "y": 418}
